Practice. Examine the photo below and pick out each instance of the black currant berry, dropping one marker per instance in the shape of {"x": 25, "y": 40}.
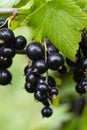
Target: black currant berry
{"x": 7, "y": 36}
{"x": 53, "y": 91}
{"x": 42, "y": 88}
{"x": 51, "y": 81}
{"x": 7, "y": 52}
{"x": 5, "y": 77}
{"x": 41, "y": 66}
{"x": 55, "y": 60}
{"x": 41, "y": 80}
{"x": 78, "y": 75}
{"x": 35, "y": 51}
{"x": 84, "y": 64}
{"x": 40, "y": 97}
{"x": 28, "y": 69}
{"x": 46, "y": 112}
{"x": 81, "y": 88}
{"x": 32, "y": 78}
{"x": 51, "y": 48}
{"x": 5, "y": 63}
{"x": 3, "y": 23}
{"x": 62, "y": 69}
{"x": 20, "y": 42}
{"x": 29, "y": 88}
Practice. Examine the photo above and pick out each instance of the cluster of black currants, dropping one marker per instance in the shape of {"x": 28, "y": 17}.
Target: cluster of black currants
{"x": 8, "y": 46}
{"x": 80, "y": 66}
{"x": 42, "y": 57}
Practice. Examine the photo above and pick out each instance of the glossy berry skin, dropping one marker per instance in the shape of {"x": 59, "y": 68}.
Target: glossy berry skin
{"x": 5, "y": 63}
{"x": 40, "y": 97}
{"x": 53, "y": 91}
{"x": 42, "y": 88}
{"x": 41, "y": 80}
{"x": 46, "y": 112}
{"x": 41, "y": 66}
{"x": 51, "y": 48}
{"x": 5, "y": 77}
{"x": 81, "y": 88}
{"x": 32, "y": 78}
{"x": 62, "y": 69}
{"x": 35, "y": 51}
{"x": 29, "y": 88}
{"x": 7, "y": 36}
{"x": 84, "y": 64}
{"x": 28, "y": 69}
{"x": 55, "y": 60}
{"x": 7, "y": 52}
{"x": 2, "y": 21}
{"x": 20, "y": 42}
{"x": 78, "y": 75}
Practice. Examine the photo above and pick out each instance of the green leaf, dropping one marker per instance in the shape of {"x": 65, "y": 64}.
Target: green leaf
{"x": 81, "y": 3}
{"x": 61, "y": 22}
{"x": 26, "y": 8}
{"x": 21, "y": 3}
{"x": 8, "y": 3}
{"x": 31, "y": 6}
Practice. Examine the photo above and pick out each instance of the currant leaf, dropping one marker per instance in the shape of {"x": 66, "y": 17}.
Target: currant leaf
{"x": 61, "y": 23}
{"x": 81, "y": 3}
{"x": 8, "y": 3}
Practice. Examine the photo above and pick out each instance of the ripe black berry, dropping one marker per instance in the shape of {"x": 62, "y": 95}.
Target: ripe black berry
{"x": 2, "y": 21}
{"x": 40, "y": 97}
{"x": 5, "y": 77}
{"x": 81, "y": 88}
{"x": 35, "y": 51}
{"x": 7, "y": 36}
{"x": 62, "y": 69}
{"x": 53, "y": 91}
{"x": 46, "y": 112}
{"x": 20, "y": 42}
{"x": 51, "y": 48}
{"x": 51, "y": 81}
{"x": 55, "y": 60}
{"x": 5, "y": 63}
{"x": 84, "y": 64}
{"x": 7, "y": 52}
{"x": 28, "y": 69}
{"x": 42, "y": 88}
{"x": 41, "y": 66}
{"x": 32, "y": 78}
{"x": 29, "y": 88}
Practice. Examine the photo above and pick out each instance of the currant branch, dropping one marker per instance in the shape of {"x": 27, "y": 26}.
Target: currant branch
{"x": 8, "y": 10}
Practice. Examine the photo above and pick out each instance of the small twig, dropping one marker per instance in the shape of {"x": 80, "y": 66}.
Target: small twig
{"x": 22, "y": 52}
{"x": 8, "y": 10}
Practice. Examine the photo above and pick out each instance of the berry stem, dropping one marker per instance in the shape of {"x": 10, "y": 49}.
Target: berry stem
{"x": 22, "y": 52}
{"x": 46, "y": 59}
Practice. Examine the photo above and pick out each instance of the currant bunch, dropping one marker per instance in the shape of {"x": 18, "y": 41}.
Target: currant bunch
{"x": 80, "y": 65}
{"x": 9, "y": 44}
{"x": 43, "y": 57}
